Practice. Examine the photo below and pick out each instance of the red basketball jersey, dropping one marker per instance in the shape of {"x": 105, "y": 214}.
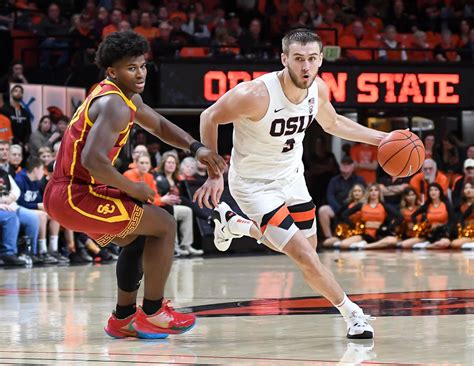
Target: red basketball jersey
{"x": 68, "y": 163}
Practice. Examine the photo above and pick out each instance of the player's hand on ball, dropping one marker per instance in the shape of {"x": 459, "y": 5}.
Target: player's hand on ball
{"x": 142, "y": 192}
{"x": 212, "y": 188}
{"x": 214, "y": 162}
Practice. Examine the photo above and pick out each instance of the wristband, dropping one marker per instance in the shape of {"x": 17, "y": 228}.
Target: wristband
{"x": 195, "y": 146}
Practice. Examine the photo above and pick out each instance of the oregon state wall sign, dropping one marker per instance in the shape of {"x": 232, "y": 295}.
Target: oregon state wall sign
{"x": 195, "y": 84}
{"x": 417, "y": 303}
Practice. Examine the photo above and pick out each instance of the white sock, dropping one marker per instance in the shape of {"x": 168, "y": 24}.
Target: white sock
{"x": 240, "y": 226}
{"x": 347, "y": 308}
{"x": 42, "y": 246}
{"x": 53, "y": 243}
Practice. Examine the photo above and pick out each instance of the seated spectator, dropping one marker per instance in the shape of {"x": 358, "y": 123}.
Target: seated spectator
{"x": 377, "y": 218}
{"x": 224, "y": 45}
{"x": 167, "y": 182}
{"x": 465, "y": 219}
{"x": 233, "y": 25}
{"x": 188, "y": 168}
{"x": 389, "y": 46}
{"x": 436, "y": 222}
{"x": 391, "y": 187}
{"x": 446, "y": 50}
{"x": 420, "y": 50}
{"x": 345, "y": 229}
{"x": 52, "y": 29}
{"x": 196, "y": 27}
{"x": 124, "y": 26}
{"x": 467, "y": 51}
{"x": 163, "y": 45}
{"x": 253, "y": 43}
{"x": 399, "y": 17}
{"x": 358, "y": 39}
{"x": 43, "y": 136}
{"x": 337, "y": 192}
{"x": 461, "y": 181}
{"x": 329, "y": 21}
{"x": 31, "y": 197}
{"x": 373, "y": 24}
{"x": 115, "y": 18}
{"x": 138, "y": 151}
{"x": 464, "y": 32}
{"x": 5, "y": 159}
{"x": 146, "y": 28}
{"x": 16, "y": 157}
{"x": 46, "y": 156}
{"x": 141, "y": 173}
{"x": 365, "y": 160}
{"x": 429, "y": 174}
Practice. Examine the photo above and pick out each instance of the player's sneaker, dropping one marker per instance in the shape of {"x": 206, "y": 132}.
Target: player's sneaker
{"x": 121, "y": 328}
{"x": 222, "y": 215}
{"x": 357, "y": 353}
{"x": 358, "y": 328}
{"x": 164, "y": 322}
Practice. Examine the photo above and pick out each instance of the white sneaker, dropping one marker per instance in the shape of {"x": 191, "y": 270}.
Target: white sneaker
{"x": 180, "y": 251}
{"x": 421, "y": 245}
{"x": 358, "y": 328}
{"x": 358, "y": 245}
{"x": 467, "y": 246}
{"x": 222, "y": 235}
{"x": 194, "y": 251}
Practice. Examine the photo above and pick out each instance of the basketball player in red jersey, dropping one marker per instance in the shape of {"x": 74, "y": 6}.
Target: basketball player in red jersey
{"x": 87, "y": 194}
{"x": 270, "y": 115}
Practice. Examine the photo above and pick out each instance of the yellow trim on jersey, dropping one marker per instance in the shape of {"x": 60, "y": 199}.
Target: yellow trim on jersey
{"x": 128, "y": 101}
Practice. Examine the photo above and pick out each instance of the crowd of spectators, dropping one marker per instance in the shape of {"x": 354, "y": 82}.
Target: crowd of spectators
{"x": 368, "y": 209}
{"x": 422, "y": 30}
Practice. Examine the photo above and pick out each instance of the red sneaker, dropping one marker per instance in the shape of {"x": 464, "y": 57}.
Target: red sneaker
{"x": 165, "y": 321}
{"x": 121, "y": 328}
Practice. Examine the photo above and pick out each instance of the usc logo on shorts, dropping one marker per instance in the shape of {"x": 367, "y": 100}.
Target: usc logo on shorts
{"x": 106, "y": 209}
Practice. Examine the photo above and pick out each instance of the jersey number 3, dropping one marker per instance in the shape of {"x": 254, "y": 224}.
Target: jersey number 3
{"x": 289, "y": 145}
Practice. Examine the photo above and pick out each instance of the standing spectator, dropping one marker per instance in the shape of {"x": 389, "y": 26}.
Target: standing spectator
{"x": 114, "y": 21}
{"x": 464, "y": 32}
{"x": 429, "y": 174}
{"x": 19, "y": 117}
{"x": 146, "y": 28}
{"x": 450, "y": 153}
{"x": 338, "y": 190}
{"x": 52, "y": 30}
{"x": 163, "y": 46}
{"x": 101, "y": 21}
{"x": 389, "y": 46}
{"x": 430, "y": 147}
{"x": 14, "y": 76}
{"x": 365, "y": 159}
{"x": 43, "y": 136}
{"x": 373, "y": 24}
{"x": 446, "y": 50}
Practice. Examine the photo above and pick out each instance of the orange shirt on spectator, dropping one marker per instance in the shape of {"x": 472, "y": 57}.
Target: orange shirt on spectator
{"x": 328, "y": 36}
{"x": 363, "y": 153}
{"x": 349, "y": 41}
{"x": 419, "y": 183}
{"x": 148, "y": 179}
{"x": 111, "y": 28}
{"x": 5, "y": 128}
{"x": 419, "y": 54}
{"x": 373, "y": 26}
{"x": 149, "y": 33}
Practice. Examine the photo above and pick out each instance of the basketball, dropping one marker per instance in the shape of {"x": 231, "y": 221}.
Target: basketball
{"x": 401, "y": 153}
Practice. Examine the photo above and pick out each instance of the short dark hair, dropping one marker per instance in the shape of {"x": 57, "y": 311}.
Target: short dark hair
{"x": 119, "y": 45}
{"x": 347, "y": 160}
{"x": 300, "y": 35}
{"x": 17, "y": 86}
{"x": 32, "y": 163}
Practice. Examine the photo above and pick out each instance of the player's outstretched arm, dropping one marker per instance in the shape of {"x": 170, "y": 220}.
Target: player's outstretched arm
{"x": 246, "y": 100}
{"x": 110, "y": 115}
{"x": 340, "y": 126}
{"x": 167, "y": 131}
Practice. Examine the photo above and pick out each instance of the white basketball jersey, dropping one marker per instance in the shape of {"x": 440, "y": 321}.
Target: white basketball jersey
{"x": 272, "y": 148}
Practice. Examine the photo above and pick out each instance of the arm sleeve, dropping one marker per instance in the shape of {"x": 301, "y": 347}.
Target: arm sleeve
{"x": 421, "y": 210}
{"x": 350, "y": 211}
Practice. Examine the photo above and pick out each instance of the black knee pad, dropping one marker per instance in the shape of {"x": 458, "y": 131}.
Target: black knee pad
{"x": 129, "y": 268}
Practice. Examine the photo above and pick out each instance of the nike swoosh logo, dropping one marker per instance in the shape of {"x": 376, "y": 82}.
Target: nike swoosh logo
{"x": 278, "y": 110}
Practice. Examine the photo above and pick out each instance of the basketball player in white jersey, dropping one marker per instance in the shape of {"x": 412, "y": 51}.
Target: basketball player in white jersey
{"x": 270, "y": 115}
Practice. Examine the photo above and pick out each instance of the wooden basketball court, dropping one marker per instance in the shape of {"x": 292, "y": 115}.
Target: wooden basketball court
{"x": 253, "y": 310}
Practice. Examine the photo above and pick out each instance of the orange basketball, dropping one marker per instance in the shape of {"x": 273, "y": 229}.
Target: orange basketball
{"x": 401, "y": 153}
